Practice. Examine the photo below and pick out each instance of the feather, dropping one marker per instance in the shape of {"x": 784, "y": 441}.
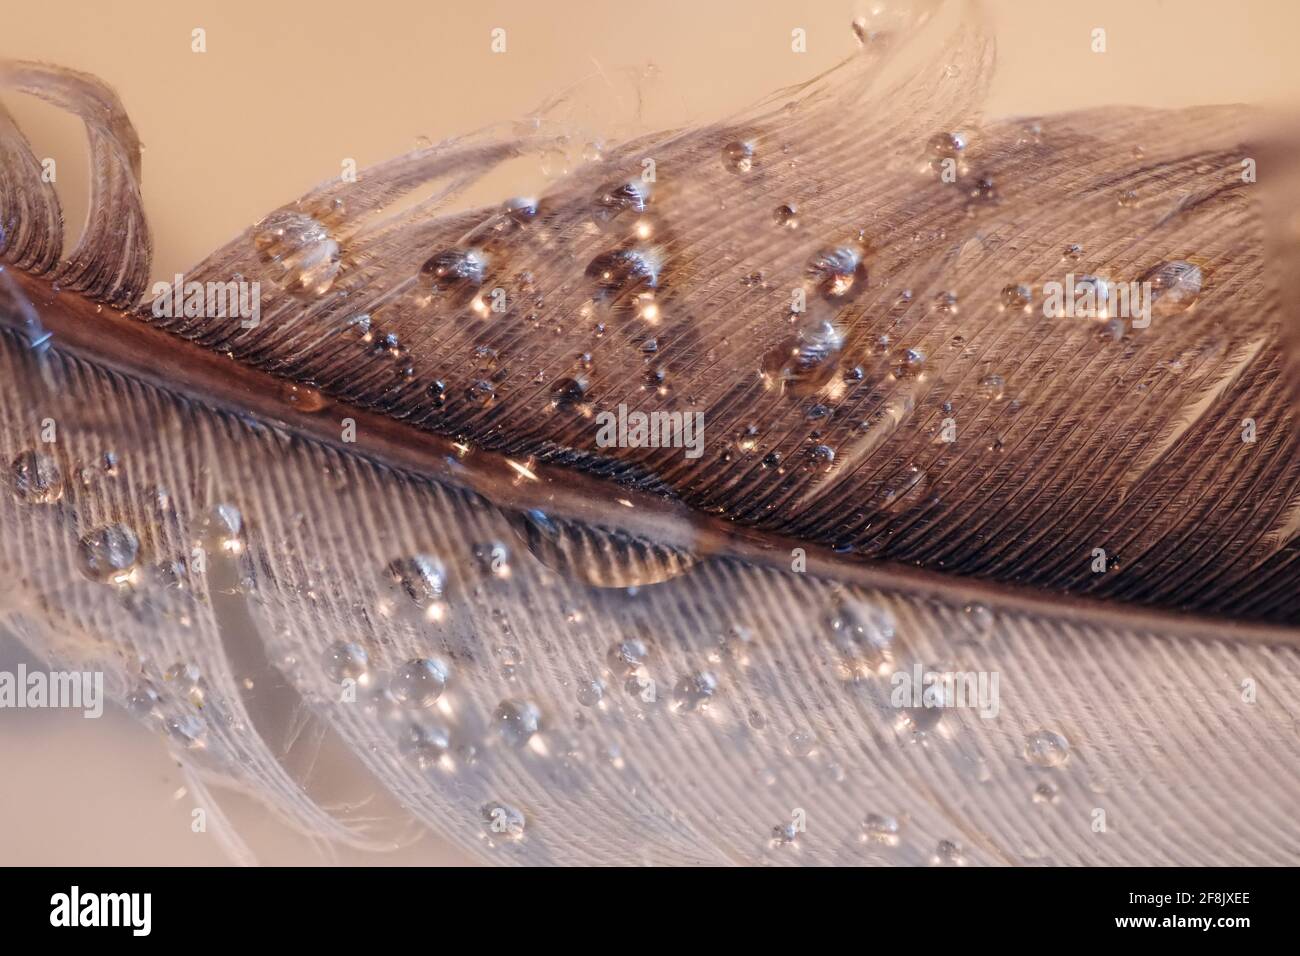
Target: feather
{"x": 366, "y": 555}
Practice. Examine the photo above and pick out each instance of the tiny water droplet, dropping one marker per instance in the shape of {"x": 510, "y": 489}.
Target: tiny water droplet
{"x": 36, "y": 478}
{"x": 516, "y": 721}
{"x": 626, "y": 656}
{"x": 694, "y": 691}
{"x": 420, "y": 576}
{"x": 1046, "y": 792}
{"x": 992, "y": 387}
{"x": 801, "y": 743}
{"x": 590, "y": 692}
{"x": 949, "y": 853}
{"x": 1045, "y": 748}
{"x": 1017, "y": 297}
{"x": 863, "y": 634}
{"x": 878, "y": 828}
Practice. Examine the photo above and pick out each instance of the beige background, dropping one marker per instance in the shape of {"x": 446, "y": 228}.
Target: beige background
{"x": 287, "y": 90}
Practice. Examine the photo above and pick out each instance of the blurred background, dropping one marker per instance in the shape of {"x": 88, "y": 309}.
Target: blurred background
{"x": 286, "y": 92}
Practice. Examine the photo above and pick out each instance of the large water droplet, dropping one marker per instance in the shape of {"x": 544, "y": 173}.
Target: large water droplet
{"x": 837, "y": 272}
{"x": 625, "y": 270}
{"x": 455, "y": 270}
{"x": 807, "y": 360}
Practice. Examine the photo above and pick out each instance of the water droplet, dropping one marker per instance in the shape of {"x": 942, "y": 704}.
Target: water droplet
{"x": 992, "y": 388}
{"x": 878, "y": 828}
{"x": 1017, "y": 297}
{"x": 801, "y": 743}
{"x": 1046, "y": 792}
{"x": 625, "y": 270}
{"x": 501, "y": 821}
{"x": 516, "y": 721}
{"x": 738, "y": 157}
{"x": 822, "y": 457}
{"x": 978, "y": 619}
{"x": 109, "y": 553}
{"x": 949, "y": 853}
{"x": 946, "y": 303}
{"x": 694, "y": 691}
{"x": 786, "y": 834}
{"x": 786, "y": 216}
{"x": 1175, "y": 286}
{"x": 1045, "y": 748}
{"x": 37, "y": 478}
{"x": 590, "y": 692}
{"x": 1072, "y": 252}
{"x": 419, "y": 683}
{"x": 480, "y": 392}
{"x": 837, "y": 272}
{"x": 423, "y": 742}
{"x": 907, "y": 363}
{"x": 984, "y": 190}
{"x": 460, "y": 270}
{"x": 421, "y": 577}
{"x": 807, "y": 360}
{"x": 185, "y": 729}
{"x": 521, "y": 209}
{"x": 620, "y": 197}
{"x": 863, "y": 634}
{"x": 306, "y": 255}
{"x": 345, "y": 660}
{"x": 569, "y": 391}
{"x": 626, "y": 656}
{"x": 142, "y": 700}
{"x": 187, "y": 681}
